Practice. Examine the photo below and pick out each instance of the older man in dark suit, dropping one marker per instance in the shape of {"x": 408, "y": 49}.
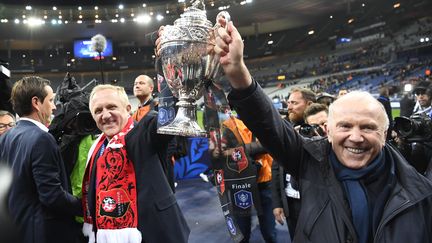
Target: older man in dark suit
{"x": 40, "y": 202}
{"x": 126, "y": 194}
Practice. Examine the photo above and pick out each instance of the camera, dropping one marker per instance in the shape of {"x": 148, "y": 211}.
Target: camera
{"x": 416, "y": 128}
{"x": 283, "y": 112}
{"x": 307, "y": 130}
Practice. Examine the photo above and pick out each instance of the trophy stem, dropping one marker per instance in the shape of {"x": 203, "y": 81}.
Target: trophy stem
{"x": 184, "y": 123}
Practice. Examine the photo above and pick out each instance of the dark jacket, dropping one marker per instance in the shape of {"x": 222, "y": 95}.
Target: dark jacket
{"x": 159, "y": 216}
{"x": 385, "y": 101}
{"x": 325, "y": 215}
{"x": 406, "y": 106}
{"x": 290, "y": 206}
{"x": 40, "y": 202}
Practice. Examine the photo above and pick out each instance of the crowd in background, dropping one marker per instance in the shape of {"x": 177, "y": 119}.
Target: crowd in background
{"x": 332, "y": 161}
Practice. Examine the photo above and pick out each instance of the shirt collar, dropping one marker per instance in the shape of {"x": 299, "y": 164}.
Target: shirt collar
{"x": 40, "y": 125}
{"x": 145, "y": 102}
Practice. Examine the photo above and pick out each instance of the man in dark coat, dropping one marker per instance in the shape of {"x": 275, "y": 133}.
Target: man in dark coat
{"x": 126, "y": 194}
{"x": 407, "y": 104}
{"x": 40, "y": 202}
{"x": 384, "y": 99}
{"x": 353, "y": 186}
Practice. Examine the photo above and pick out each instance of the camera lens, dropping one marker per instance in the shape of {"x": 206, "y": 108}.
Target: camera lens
{"x": 307, "y": 130}
{"x": 417, "y": 127}
{"x": 403, "y": 126}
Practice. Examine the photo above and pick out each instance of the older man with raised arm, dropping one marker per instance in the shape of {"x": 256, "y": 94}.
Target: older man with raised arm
{"x": 354, "y": 187}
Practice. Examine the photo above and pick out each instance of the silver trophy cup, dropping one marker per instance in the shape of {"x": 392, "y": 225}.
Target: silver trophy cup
{"x": 189, "y": 64}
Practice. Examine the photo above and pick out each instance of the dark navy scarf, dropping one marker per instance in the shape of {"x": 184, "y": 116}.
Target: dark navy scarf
{"x": 356, "y": 193}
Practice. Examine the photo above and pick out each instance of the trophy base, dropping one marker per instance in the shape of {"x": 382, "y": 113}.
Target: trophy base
{"x": 185, "y": 123}
{"x": 183, "y": 128}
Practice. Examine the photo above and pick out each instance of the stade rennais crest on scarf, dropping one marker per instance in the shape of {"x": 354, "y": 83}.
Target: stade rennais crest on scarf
{"x": 116, "y": 200}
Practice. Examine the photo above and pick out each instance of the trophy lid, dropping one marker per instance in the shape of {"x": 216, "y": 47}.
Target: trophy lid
{"x": 192, "y": 25}
{"x": 194, "y": 15}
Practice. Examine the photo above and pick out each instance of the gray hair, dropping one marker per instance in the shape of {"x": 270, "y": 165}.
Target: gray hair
{"x": 363, "y": 97}
{"x": 7, "y": 113}
{"x": 119, "y": 90}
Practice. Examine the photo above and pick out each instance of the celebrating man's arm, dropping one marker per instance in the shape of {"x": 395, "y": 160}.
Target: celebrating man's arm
{"x": 250, "y": 102}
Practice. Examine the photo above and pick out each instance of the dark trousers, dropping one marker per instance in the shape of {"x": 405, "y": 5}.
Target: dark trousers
{"x": 266, "y": 219}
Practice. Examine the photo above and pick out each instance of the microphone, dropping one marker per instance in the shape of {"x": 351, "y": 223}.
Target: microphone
{"x": 99, "y": 43}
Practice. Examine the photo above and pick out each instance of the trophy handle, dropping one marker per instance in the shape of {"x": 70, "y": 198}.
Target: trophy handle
{"x": 225, "y": 15}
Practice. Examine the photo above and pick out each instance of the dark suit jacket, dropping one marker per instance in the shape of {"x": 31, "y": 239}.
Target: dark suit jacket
{"x": 159, "y": 216}
{"x": 39, "y": 200}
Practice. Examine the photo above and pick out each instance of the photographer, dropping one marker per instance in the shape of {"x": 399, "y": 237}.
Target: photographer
{"x": 414, "y": 134}
{"x": 423, "y": 95}
{"x": 74, "y": 129}
{"x": 315, "y": 117}
{"x": 285, "y": 193}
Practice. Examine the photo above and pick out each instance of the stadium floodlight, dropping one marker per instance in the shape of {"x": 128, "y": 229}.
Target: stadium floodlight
{"x": 33, "y": 22}
{"x": 408, "y": 87}
{"x": 159, "y": 17}
{"x": 143, "y": 19}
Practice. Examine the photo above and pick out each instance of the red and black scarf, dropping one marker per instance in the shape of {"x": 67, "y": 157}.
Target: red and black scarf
{"x": 116, "y": 197}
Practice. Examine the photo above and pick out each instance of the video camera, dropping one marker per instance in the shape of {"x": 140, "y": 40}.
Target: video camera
{"x": 309, "y": 131}
{"x": 416, "y": 128}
